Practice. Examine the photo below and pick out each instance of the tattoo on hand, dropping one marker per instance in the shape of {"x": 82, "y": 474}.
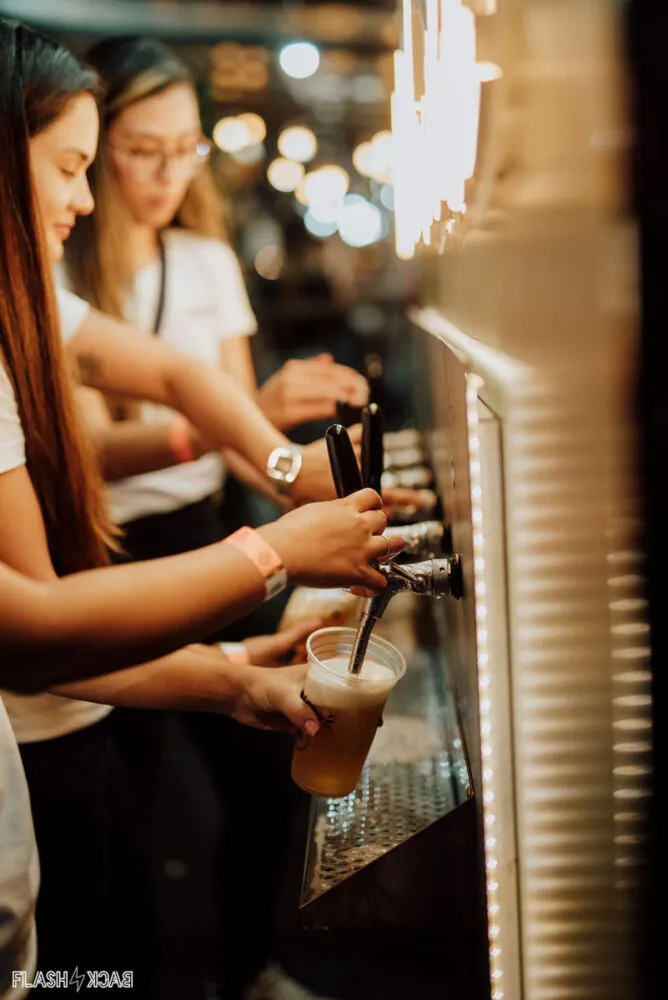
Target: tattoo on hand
{"x": 90, "y": 367}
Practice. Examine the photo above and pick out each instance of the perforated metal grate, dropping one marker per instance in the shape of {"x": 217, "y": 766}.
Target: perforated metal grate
{"x": 392, "y": 802}
{"x": 416, "y": 771}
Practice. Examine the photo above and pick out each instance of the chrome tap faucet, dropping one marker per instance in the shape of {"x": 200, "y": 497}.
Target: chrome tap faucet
{"x": 430, "y": 578}
{"x": 421, "y": 541}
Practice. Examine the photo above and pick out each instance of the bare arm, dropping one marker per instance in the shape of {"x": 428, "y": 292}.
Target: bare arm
{"x": 111, "y": 357}
{"x": 52, "y": 631}
{"x": 104, "y": 619}
{"x": 125, "y": 447}
{"x": 129, "y": 448}
{"x": 201, "y": 678}
{"x": 237, "y": 360}
{"x": 188, "y": 680}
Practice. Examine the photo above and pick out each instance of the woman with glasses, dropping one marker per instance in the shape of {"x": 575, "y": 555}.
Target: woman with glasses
{"x": 154, "y": 253}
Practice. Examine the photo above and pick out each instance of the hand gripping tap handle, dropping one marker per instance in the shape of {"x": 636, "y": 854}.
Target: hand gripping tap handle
{"x": 373, "y": 454}
{"x": 342, "y": 458}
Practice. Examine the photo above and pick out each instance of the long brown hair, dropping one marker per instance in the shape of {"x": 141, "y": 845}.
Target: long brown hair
{"x": 131, "y": 69}
{"x": 37, "y": 80}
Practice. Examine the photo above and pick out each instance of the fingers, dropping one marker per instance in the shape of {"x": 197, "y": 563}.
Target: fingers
{"x": 296, "y": 634}
{"x": 364, "y": 500}
{"x": 377, "y": 521}
{"x": 295, "y": 709}
{"x": 373, "y": 581}
{"x": 333, "y": 380}
{"x": 355, "y": 433}
{"x": 279, "y": 648}
{"x": 381, "y": 547}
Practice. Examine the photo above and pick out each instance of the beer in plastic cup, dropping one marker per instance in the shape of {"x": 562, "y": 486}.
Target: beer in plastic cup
{"x": 349, "y": 708}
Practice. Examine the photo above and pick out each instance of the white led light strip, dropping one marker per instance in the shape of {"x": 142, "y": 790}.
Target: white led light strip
{"x": 486, "y": 695}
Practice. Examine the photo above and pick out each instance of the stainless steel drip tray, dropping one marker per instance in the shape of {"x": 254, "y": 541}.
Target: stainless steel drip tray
{"x": 416, "y": 772}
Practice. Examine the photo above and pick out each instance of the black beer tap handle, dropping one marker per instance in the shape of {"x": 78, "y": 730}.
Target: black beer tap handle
{"x": 346, "y": 414}
{"x": 373, "y": 454}
{"x": 342, "y": 458}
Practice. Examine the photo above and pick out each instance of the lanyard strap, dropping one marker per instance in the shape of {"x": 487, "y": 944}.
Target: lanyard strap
{"x": 160, "y": 306}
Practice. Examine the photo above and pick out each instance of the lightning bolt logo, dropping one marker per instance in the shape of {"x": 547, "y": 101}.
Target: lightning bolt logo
{"x": 77, "y": 979}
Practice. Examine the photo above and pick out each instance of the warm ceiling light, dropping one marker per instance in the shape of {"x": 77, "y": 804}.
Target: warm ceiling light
{"x": 255, "y": 125}
{"x": 381, "y": 156}
{"x": 299, "y": 60}
{"x": 363, "y": 159}
{"x": 250, "y": 155}
{"x": 360, "y": 222}
{"x": 298, "y": 143}
{"x": 326, "y": 185}
{"x": 285, "y": 175}
{"x": 231, "y": 135}
{"x": 316, "y": 227}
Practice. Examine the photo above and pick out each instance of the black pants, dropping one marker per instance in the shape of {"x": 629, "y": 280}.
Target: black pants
{"x": 250, "y": 770}
{"x": 92, "y": 907}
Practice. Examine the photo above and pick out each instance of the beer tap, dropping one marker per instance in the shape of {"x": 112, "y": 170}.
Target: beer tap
{"x": 427, "y": 507}
{"x": 347, "y": 414}
{"x": 431, "y": 578}
{"x": 418, "y": 477}
{"x": 343, "y": 461}
{"x": 422, "y": 540}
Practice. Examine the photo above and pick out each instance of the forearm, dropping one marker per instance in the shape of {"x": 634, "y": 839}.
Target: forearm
{"x": 102, "y": 620}
{"x": 111, "y": 358}
{"x": 249, "y": 475}
{"x": 130, "y": 448}
{"x": 188, "y": 680}
{"x": 212, "y": 401}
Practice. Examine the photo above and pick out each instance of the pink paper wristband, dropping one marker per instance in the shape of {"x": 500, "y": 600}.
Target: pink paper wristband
{"x": 180, "y": 443}
{"x": 266, "y": 559}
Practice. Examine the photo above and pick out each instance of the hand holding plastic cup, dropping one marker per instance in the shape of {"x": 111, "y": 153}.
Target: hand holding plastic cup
{"x": 349, "y": 707}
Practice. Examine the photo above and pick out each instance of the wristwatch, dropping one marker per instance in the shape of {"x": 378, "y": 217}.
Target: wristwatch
{"x": 283, "y": 467}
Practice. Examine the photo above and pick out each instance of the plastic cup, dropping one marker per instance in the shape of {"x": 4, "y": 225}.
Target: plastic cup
{"x": 349, "y": 708}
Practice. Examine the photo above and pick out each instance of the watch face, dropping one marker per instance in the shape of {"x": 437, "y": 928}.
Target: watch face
{"x": 284, "y": 464}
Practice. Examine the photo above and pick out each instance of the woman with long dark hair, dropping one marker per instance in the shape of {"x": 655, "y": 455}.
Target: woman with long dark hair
{"x": 53, "y": 522}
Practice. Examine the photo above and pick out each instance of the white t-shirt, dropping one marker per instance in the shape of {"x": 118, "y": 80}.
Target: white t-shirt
{"x": 72, "y": 310}
{"x": 19, "y": 867}
{"x": 19, "y": 861}
{"x": 40, "y": 716}
{"x": 205, "y": 303}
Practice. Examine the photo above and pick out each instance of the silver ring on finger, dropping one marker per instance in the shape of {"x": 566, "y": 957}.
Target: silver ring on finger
{"x": 388, "y": 543}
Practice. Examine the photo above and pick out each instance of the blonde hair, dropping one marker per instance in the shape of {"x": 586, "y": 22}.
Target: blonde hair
{"x": 131, "y": 70}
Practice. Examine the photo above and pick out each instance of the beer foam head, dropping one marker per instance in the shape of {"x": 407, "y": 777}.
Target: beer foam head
{"x": 331, "y": 684}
